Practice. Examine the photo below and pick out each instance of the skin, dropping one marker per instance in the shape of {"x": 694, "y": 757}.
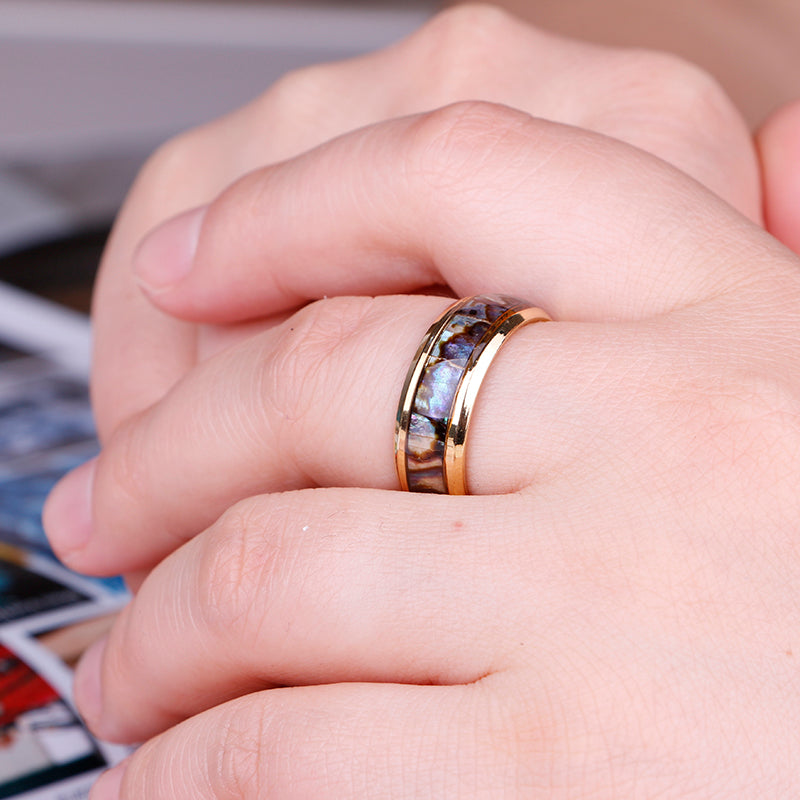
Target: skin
{"x": 655, "y": 102}
{"x": 750, "y": 46}
{"x": 609, "y": 617}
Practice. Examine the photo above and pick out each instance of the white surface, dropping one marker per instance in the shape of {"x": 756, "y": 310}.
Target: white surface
{"x": 31, "y": 323}
{"x": 274, "y": 25}
{"x": 77, "y": 76}
{"x": 93, "y": 86}
{"x": 22, "y": 756}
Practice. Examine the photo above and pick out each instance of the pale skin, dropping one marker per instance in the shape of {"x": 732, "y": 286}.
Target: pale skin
{"x": 750, "y": 46}
{"x": 613, "y": 615}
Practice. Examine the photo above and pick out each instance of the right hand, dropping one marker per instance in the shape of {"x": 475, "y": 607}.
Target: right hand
{"x": 475, "y": 196}
{"x": 612, "y": 614}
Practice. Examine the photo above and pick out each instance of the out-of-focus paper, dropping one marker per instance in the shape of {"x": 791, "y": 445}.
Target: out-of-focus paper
{"x": 48, "y": 614}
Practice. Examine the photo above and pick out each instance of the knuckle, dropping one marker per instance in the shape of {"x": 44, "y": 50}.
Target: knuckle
{"x": 465, "y": 18}
{"x": 300, "y": 368}
{"x": 172, "y": 161}
{"x": 237, "y": 566}
{"x": 450, "y": 143}
{"x": 256, "y": 564}
{"x": 457, "y": 43}
{"x": 299, "y": 92}
{"x": 672, "y": 89}
{"x": 183, "y": 172}
{"x": 249, "y": 738}
{"x": 241, "y": 760}
{"x": 677, "y": 111}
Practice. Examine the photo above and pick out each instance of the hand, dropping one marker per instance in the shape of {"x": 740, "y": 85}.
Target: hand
{"x": 650, "y": 100}
{"x": 613, "y": 615}
{"x": 750, "y": 46}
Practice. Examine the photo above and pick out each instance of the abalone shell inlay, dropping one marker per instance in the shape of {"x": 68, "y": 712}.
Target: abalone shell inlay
{"x": 462, "y": 338}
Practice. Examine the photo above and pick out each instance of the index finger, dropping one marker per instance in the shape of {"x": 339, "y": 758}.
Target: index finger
{"x": 467, "y": 196}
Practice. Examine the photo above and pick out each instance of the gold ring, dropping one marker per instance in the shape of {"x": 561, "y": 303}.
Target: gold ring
{"x": 442, "y": 385}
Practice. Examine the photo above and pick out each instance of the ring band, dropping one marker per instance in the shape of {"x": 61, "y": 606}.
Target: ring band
{"x": 442, "y": 385}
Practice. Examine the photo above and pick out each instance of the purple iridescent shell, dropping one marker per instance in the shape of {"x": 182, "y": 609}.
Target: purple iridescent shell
{"x": 437, "y": 388}
{"x": 462, "y": 338}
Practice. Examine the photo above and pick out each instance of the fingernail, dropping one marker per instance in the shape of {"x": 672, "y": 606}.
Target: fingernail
{"x": 67, "y": 515}
{"x": 166, "y": 255}
{"x": 109, "y": 785}
{"x": 87, "y": 687}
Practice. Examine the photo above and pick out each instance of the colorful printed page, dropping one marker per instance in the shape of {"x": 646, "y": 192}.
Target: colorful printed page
{"x": 48, "y": 614}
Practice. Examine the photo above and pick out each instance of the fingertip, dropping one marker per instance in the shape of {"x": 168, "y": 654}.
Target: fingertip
{"x": 109, "y": 785}
{"x": 165, "y": 257}
{"x": 87, "y": 685}
{"x": 779, "y": 149}
{"x": 89, "y": 696}
{"x": 67, "y": 515}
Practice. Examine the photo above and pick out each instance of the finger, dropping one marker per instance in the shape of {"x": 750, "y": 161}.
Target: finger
{"x": 139, "y": 352}
{"x": 444, "y": 197}
{"x": 325, "y": 586}
{"x": 340, "y": 742}
{"x": 128, "y": 330}
{"x": 779, "y": 148}
{"x": 313, "y": 403}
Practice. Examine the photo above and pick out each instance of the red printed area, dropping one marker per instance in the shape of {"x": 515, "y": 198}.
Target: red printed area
{"x": 42, "y": 742}
{"x": 21, "y": 689}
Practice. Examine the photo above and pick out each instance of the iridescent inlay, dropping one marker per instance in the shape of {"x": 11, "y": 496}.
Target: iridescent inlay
{"x": 424, "y": 438}
{"x": 437, "y": 388}
{"x": 463, "y": 336}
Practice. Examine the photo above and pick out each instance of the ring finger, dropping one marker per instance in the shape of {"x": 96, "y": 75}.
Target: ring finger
{"x": 310, "y": 403}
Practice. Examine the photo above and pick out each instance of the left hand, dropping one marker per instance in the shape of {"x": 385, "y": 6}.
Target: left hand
{"x": 613, "y": 615}
{"x": 654, "y": 101}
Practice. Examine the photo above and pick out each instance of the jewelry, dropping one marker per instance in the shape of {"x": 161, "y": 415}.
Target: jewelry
{"x": 441, "y": 387}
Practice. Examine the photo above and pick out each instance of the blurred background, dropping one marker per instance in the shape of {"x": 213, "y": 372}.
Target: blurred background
{"x": 88, "y": 88}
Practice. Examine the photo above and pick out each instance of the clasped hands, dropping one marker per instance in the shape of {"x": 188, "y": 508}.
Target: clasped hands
{"x": 614, "y": 613}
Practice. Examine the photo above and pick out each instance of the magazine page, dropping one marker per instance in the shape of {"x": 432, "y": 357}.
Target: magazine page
{"x": 48, "y": 614}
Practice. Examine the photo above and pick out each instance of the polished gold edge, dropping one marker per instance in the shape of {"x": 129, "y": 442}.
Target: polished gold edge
{"x": 411, "y": 384}
{"x": 454, "y": 462}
